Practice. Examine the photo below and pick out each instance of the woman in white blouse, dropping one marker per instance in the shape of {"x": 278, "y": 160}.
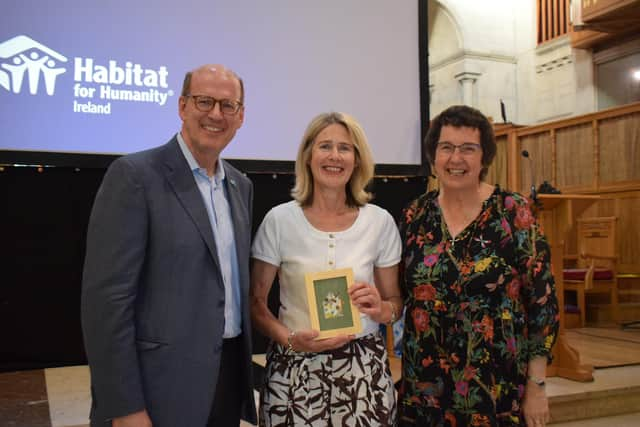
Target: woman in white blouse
{"x": 343, "y": 380}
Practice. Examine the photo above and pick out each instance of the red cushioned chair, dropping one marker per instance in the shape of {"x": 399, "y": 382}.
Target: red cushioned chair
{"x": 596, "y": 264}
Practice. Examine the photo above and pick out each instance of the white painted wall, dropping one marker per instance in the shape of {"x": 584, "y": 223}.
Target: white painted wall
{"x": 494, "y": 43}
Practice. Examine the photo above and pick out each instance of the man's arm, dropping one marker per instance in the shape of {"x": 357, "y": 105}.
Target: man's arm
{"x": 116, "y": 241}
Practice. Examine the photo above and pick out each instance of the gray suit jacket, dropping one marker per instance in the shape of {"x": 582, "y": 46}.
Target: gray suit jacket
{"x": 153, "y": 296}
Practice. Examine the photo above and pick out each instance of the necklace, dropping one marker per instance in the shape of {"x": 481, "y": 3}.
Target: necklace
{"x": 466, "y": 234}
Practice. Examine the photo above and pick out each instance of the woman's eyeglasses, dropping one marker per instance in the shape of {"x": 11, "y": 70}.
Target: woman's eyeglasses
{"x": 466, "y": 149}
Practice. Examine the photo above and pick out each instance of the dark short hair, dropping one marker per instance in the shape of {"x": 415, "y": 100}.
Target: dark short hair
{"x": 462, "y": 116}
{"x": 186, "y": 85}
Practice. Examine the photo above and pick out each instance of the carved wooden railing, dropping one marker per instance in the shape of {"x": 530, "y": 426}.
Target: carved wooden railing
{"x": 597, "y": 22}
{"x": 597, "y": 153}
{"x": 593, "y": 153}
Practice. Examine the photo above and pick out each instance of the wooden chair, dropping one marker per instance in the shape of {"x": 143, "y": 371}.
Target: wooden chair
{"x": 596, "y": 264}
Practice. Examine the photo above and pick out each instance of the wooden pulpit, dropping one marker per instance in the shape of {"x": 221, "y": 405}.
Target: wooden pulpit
{"x": 557, "y": 215}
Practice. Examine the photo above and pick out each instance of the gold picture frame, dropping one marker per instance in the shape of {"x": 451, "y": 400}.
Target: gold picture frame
{"x": 330, "y": 308}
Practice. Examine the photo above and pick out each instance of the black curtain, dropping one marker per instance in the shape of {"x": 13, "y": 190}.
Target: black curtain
{"x": 43, "y": 223}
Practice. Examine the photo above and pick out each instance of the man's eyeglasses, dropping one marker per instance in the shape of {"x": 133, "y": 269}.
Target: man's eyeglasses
{"x": 206, "y": 103}
{"x": 466, "y": 149}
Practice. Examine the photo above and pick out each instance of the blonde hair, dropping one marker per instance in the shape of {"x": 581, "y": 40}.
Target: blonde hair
{"x": 362, "y": 172}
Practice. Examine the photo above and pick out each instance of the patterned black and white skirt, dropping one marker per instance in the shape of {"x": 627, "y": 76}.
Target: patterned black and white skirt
{"x": 349, "y": 386}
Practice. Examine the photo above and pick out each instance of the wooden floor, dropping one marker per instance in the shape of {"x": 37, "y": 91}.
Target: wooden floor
{"x": 60, "y": 396}
{"x": 606, "y": 347}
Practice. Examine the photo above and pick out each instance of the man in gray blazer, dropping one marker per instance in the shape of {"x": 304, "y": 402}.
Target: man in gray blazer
{"x": 166, "y": 276}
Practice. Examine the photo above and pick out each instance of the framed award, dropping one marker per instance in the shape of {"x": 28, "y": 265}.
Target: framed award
{"x": 330, "y": 308}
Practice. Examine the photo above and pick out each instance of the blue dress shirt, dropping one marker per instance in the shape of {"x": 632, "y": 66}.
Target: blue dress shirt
{"x": 213, "y": 192}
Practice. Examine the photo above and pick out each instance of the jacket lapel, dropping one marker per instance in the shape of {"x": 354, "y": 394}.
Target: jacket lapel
{"x": 240, "y": 217}
{"x": 180, "y": 177}
{"x": 238, "y": 209}
{"x": 235, "y": 203}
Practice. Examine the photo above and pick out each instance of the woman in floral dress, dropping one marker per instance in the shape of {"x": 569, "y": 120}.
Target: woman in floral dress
{"x": 481, "y": 309}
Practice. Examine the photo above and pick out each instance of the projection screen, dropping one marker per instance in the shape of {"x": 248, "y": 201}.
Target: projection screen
{"x": 105, "y": 77}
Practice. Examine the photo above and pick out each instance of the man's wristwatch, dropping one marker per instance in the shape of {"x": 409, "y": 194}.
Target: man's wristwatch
{"x": 537, "y": 381}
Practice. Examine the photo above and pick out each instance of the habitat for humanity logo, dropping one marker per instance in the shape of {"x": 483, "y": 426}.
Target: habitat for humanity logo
{"x": 95, "y": 85}
{"x": 22, "y": 55}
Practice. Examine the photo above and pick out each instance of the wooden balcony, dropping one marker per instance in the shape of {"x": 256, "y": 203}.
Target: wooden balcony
{"x": 604, "y": 21}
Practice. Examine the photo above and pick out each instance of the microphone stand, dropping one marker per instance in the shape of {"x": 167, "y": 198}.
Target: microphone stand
{"x": 534, "y": 193}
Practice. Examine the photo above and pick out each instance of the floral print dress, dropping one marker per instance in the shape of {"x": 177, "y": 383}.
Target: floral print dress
{"x": 478, "y": 308}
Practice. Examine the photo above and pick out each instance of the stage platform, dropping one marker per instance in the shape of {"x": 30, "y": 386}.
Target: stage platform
{"x": 59, "y": 397}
